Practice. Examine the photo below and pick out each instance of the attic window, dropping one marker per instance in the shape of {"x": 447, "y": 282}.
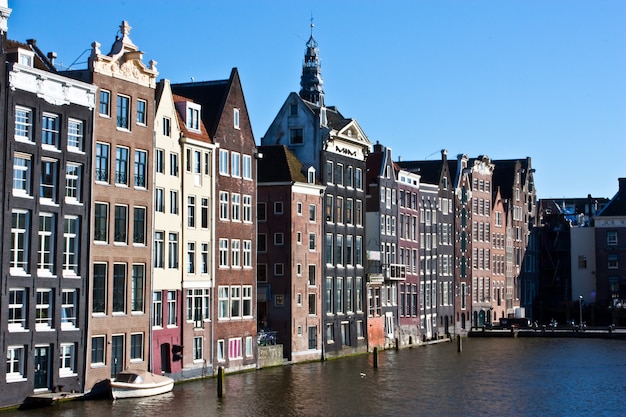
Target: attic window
{"x": 293, "y": 110}
{"x": 296, "y": 136}
{"x": 311, "y": 175}
{"x": 193, "y": 117}
{"x": 25, "y": 57}
{"x": 236, "y": 118}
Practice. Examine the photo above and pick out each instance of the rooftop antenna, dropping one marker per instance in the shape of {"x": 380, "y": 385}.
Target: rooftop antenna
{"x": 79, "y": 57}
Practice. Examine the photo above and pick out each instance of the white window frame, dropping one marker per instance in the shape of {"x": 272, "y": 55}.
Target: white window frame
{"x": 236, "y": 118}
{"x": 223, "y": 253}
{"x": 172, "y": 308}
{"x": 235, "y": 207}
{"x": 69, "y": 308}
{"x": 73, "y": 182}
{"x": 15, "y": 364}
{"x": 247, "y": 209}
{"x": 71, "y": 233}
{"x": 75, "y": 135}
{"x": 45, "y": 244}
{"x": 17, "y": 308}
{"x": 44, "y": 309}
{"x": 224, "y": 203}
{"x": 247, "y": 167}
{"x": 22, "y": 174}
{"x": 23, "y": 124}
{"x": 193, "y": 117}
{"x": 51, "y": 129}
{"x": 235, "y": 249}
{"x": 172, "y": 250}
{"x": 234, "y": 348}
{"x": 247, "y": 254}
{"x": 198, "y": 348}
{"x": 67, "y": 360}
{"x": 224, "y": 162}
{"x": 220, "y": 351}
{"x": 235, "y": 164}
{"x": 191, "y": 258}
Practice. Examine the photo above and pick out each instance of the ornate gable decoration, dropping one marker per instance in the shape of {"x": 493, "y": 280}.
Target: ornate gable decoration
{"x": 124, "y": 61}
{"x": 52, "y": 88}
{"x": 350, "y": 141}
{"x": 483, "y": 166}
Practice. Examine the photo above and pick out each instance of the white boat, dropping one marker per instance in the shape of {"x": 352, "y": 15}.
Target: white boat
{"x": 137, "y": 383}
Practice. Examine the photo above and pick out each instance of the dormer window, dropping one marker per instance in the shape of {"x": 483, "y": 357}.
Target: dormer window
{"x": 311, "y": 175}
{"x": 236, "y": 118}
{"x": 25, "y": 57}
{"x": 193, "y": 116}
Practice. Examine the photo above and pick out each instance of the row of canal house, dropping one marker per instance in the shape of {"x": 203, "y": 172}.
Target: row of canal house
{"x": 129, "y": 223}
{"x": 135, "y": 235}
{"x": 357, "y": 251}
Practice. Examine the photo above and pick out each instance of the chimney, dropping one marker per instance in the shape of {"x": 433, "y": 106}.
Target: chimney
{"x": 52, "y": 56}
{"x": 622, "y": 185}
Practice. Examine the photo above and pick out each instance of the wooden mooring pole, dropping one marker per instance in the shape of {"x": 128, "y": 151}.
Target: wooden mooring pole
{"x": 375, "y": 357}
{"x": 459, "y": 344}
{"x": 220, "y": 382}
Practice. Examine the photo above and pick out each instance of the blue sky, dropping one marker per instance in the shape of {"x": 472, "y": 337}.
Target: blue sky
{"x": 507, "y": 79}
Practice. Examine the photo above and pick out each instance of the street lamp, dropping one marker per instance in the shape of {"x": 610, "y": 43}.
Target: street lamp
{"x": 580, "y": 309}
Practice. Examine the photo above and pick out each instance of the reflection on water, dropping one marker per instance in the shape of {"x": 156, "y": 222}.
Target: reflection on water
{"x": 491, "y": 377}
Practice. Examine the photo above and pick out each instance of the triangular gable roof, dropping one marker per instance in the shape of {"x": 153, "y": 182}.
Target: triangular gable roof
{"x": 212, "y": 96}
{"x": 160, "y": 96}
{"x": 348, "y": 131}
{"x": 617, "y": 205}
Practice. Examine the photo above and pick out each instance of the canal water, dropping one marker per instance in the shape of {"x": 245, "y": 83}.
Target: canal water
{"x": 490, "y": 377}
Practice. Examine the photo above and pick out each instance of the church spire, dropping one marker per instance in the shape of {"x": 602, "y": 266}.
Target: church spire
{"x": 311, "y": 80}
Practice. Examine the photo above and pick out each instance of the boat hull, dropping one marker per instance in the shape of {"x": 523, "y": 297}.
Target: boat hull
{"x": 137, "y": 384}
{"x": 122, "y": 390}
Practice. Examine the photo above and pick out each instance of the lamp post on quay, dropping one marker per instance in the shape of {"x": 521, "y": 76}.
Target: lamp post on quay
{"x": 580, "y": 309}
